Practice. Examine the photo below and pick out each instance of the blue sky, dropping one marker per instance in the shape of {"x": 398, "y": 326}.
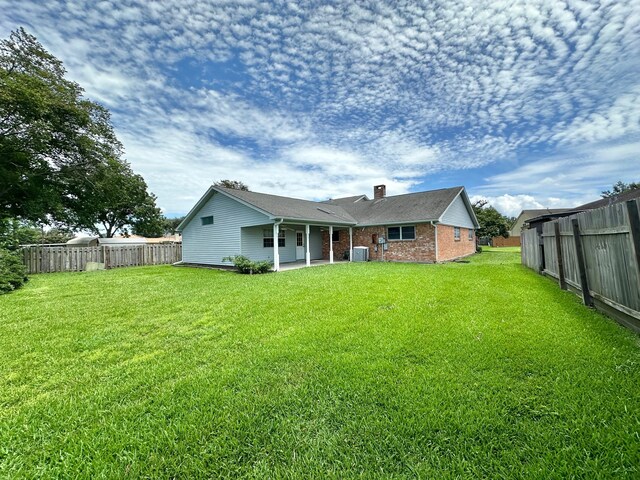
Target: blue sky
{"x": 529, "y": 104}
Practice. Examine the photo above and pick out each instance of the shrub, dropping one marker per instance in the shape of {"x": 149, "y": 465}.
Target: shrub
{"x": 478, "y": 249}
{"x": 13, "y": 273}
{"x": 244, "y": 265}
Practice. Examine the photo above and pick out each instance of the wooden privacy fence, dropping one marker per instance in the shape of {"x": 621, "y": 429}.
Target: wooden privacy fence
{"x": 75, "y": 259}
{"x": 596, "y": 254}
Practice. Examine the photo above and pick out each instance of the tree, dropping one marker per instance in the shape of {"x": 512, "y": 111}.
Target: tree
{"x": 171, "y": 225}
{"x": 111, "y": 199}
{"x": 620, "y": 187}
{"x": 48, "y": 131}
{"x": 492, "y": 223}
{"x": 14, "y": 233}
{"x": 234, "y": 184}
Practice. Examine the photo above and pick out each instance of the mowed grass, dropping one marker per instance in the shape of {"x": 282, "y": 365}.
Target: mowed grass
{"x": 461, "y": 370}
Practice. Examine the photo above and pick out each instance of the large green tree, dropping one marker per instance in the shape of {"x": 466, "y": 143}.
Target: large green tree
{"x": 113, "y": 199}
{"x": 48, "y": 131}
{"x": 492, "y": 223}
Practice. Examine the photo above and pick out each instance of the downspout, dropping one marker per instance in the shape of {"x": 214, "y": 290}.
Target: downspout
{"x": 435, "y": 233}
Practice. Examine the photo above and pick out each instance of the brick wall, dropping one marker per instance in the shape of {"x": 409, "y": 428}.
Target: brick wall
{"x": 422, "y": 249}
{"x": 449, "y": 248}
{"x": 513, "y": 241}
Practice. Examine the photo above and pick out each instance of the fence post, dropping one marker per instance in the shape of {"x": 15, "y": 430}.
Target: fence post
{"x": 582, "y": 268}
{"x": 556, "y": 231}
{"x": 634, "y": 230}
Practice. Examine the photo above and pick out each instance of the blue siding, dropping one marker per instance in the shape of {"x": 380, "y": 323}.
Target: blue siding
{"x": 457, "y": 214}
{"x": 253, "y": 245}
{"x": 209, "y": 244}
{"x": 315, "y": 243}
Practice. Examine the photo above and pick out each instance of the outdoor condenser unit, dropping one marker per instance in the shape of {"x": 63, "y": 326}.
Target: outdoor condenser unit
{"x": 360, "y": 254}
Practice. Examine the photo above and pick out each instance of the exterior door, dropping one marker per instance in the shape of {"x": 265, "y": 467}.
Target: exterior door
{"x": 300, "y": 250}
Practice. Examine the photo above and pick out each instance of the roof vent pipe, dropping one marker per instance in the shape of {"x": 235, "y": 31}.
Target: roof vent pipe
{"x": 379, "y": 191}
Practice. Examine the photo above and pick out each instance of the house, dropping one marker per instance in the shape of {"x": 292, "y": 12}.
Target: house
{"x": 432, "y": 226}
{"x": 514, "y": 233}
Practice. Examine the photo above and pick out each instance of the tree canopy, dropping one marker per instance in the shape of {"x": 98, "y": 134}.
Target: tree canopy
{"x": 47, "y": 130}
{"x": 492, "y": 223}
{"x": 60, "y": 161}
{"x": 234, "y": 184}
{"x": 620, "y": 187}
{"x": 111, "y": 198}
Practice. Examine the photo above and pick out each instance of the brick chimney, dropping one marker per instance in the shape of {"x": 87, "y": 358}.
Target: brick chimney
{"x": 379, "y": 191}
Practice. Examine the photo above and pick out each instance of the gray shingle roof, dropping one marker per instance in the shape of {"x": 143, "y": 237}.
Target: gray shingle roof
{"x": 292, "y": 208}
{"x": 355, "y": 210}
{"x": 411, "y": 207}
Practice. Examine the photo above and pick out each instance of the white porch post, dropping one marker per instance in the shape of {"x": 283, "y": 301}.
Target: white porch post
{"x": 276, "y": 252}
{"x": 307, "y": 254}
{"x": 330, "y": 243}
{"x": 350, "y": 243}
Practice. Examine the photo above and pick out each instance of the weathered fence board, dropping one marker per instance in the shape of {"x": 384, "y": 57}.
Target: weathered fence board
{"x": 530, "y": 249}
{"x": 75, "y": 259}
{"x": 608, "y": 268}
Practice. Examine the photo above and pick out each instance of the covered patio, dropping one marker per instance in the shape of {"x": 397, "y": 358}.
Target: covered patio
{"x": 302, "y": 264}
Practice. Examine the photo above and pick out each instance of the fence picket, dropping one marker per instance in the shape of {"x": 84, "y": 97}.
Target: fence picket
{"x": 64, "y": 259}
{"x": 599, "y": 255}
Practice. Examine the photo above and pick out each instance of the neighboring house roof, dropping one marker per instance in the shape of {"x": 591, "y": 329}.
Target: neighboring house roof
{"x": 526, "y": 215}
{"x": 354, "y": 210}
{"x": 122, "y": 240}
{"x": 106, "y": 241}
{"x": 603, "y": 202}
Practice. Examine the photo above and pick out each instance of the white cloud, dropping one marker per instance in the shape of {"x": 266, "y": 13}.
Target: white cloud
{"x": 333, "y": 98}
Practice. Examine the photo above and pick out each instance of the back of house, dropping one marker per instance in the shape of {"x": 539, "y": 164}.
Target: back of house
{"x": 430, "y": 226}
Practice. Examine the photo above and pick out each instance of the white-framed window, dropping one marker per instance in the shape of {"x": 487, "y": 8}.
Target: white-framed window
{"x": 456, "y": 234}
{"x": 299, "y": 239}
{"x": 405, "y": 232}
{"x": 470, "y": 234}
{"x": 267, "y": 238}
{"x": 208, "y": 220}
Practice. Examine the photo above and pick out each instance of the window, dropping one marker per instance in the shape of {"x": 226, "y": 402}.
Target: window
{"x": 336, "y": 236}
{"x": 470, "y": 234}
{"x": 267, "y": 240}
{"x": 299, "y": 239}
{"x": 207, "y": 220}
{"x": 402, "y": 233}
{"x": 456, "y": 234}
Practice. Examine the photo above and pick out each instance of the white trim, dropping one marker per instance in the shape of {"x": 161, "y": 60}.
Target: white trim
{"x": 467, "y": 203}
{"x": 350, "y": 244}
{"x": 415, "y": 233}
{"x": 435, "y": 234}
{"x": 308, "y": 252}
{"x": 206, "y": 197}
{"x": 276, "y": 252}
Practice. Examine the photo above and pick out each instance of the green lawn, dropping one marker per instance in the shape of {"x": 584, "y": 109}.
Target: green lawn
{"x": 462, "y": 370}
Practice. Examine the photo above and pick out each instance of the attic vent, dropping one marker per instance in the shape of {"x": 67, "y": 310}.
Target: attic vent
{"x": 326, "y": 211}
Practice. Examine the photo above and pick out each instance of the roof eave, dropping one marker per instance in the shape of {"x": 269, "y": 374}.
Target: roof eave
{"x": 205, "y": 198}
